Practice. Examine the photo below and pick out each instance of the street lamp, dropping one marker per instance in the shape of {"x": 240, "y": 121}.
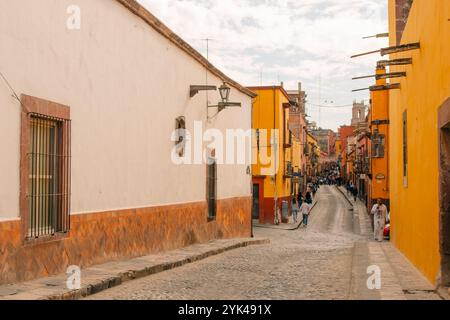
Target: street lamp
{"x": 225, "y": 92}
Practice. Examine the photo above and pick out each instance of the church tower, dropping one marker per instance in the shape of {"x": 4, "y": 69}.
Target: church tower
{"x": 359, "y": 113}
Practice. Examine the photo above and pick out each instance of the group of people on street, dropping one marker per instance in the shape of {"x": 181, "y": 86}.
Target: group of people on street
{"x": 303, "y": 204}
{"x": 352, "y": 190}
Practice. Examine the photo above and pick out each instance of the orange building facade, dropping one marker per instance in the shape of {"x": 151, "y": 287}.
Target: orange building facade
{"x": 379, "y": 144}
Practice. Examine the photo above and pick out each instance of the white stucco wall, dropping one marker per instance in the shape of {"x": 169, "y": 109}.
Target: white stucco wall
{"x": 125, "y": 85}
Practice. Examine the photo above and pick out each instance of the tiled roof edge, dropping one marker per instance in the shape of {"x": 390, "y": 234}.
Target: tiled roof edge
{"x": 156, "y": 24}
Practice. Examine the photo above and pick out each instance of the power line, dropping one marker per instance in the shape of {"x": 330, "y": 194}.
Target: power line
{"x": 14, "y": 94}
{"x": 330, "y": 107}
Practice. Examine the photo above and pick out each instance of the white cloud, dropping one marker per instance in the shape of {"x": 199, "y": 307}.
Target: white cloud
{"x": 287, "y": 40}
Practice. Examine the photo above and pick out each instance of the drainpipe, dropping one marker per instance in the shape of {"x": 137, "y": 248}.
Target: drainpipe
{"x": 275, "y": 150}
{"x": 251, "y": 173}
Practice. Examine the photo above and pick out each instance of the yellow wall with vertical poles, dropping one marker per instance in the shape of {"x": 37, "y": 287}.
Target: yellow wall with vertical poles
{"x": 415, "y": 208}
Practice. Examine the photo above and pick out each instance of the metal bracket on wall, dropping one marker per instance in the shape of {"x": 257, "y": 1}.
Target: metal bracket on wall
{"x": 383, "y": 76}
{"x": 381, "y": 88}
{"x": 197, "y": 88}
{"x": 380, "y": 122}
{"x": 390, "y": 50}
{"x": 223, "y": 105}
{"x": 395, "y": 62}
{"x": 385, "y": 87}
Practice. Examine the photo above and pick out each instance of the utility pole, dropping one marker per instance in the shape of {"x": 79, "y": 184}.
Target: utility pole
{"x": 207, "y": 47}
{"x": 320, "y": 99}
{"x": 207, "y": 93}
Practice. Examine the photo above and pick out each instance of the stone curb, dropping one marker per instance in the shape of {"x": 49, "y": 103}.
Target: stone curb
{"x": 286, "y": 229}
{"x": 123, "y": 277}
{"x": 117, "y": 277}
{"x": 356, "y": 217}
{"x": 345, "y": 196}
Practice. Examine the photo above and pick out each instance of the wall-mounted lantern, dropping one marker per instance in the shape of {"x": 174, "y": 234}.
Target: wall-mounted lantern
{"x": 224, "y": 91}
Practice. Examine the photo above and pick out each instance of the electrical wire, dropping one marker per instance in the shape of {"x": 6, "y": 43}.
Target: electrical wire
{"x": 329, "y": 107}
{"x": 14, "y": 94}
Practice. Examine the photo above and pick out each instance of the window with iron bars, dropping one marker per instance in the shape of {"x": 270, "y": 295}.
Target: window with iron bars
{"x": 212, "y": 188}
{"x": 378, "y": 145}
{"x": 48, "y": 193}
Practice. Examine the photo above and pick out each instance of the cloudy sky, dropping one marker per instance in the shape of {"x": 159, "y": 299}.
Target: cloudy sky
{"x": 268, "y": 41}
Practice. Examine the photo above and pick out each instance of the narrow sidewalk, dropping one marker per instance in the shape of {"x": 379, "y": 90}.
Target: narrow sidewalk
{"x": 399, "y": 278}
{"x": 101, "y": 277}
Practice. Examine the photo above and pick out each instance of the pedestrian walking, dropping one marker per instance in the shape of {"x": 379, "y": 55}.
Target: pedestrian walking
{"x": 299, "y": 200}
{"x": 355, "y": 193}
{"x": 295, "y": 209}
{"x": 379, "y": 212}
{"x": 308, "y": 197}
{"x": 305, "y": 209}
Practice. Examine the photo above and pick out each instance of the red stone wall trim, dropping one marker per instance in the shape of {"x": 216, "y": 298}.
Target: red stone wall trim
{"x": 97, "y": 238}
{"x": 268, "y": 208}
{"x": 52, "y": 109}
{"x": 402, "y": 9}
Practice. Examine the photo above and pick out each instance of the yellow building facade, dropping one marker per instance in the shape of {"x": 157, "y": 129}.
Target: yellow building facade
{"x": 420, "y": 136}
{"x": 273, "y": 168}
{"x": 338, "y": 146}
{"x": 313, "y": 156}
{"x": 297, "y": 157}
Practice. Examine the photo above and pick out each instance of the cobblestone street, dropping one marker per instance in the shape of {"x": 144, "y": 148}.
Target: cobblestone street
{"x": 328, "y": 260}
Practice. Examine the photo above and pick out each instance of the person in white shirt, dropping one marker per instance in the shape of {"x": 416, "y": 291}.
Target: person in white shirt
{"x": 305, "y": 209}
{"x": 379, "y": 212}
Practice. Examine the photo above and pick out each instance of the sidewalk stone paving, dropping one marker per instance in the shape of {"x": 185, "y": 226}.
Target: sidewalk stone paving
{"x": 101, "y": 277}
{"x": 400, "y": 279}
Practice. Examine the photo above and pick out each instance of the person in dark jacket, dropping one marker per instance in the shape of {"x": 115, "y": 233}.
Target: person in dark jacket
{"x": 308, "y": 197}
{"x": 355, "y": 192}
{"x": 300, "y": 199}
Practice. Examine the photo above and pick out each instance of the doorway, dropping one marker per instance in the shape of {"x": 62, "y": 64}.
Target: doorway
{"x": 444, "y": 191}
{"x": 256, "y": 203}
{"x": 258, "y": 199}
